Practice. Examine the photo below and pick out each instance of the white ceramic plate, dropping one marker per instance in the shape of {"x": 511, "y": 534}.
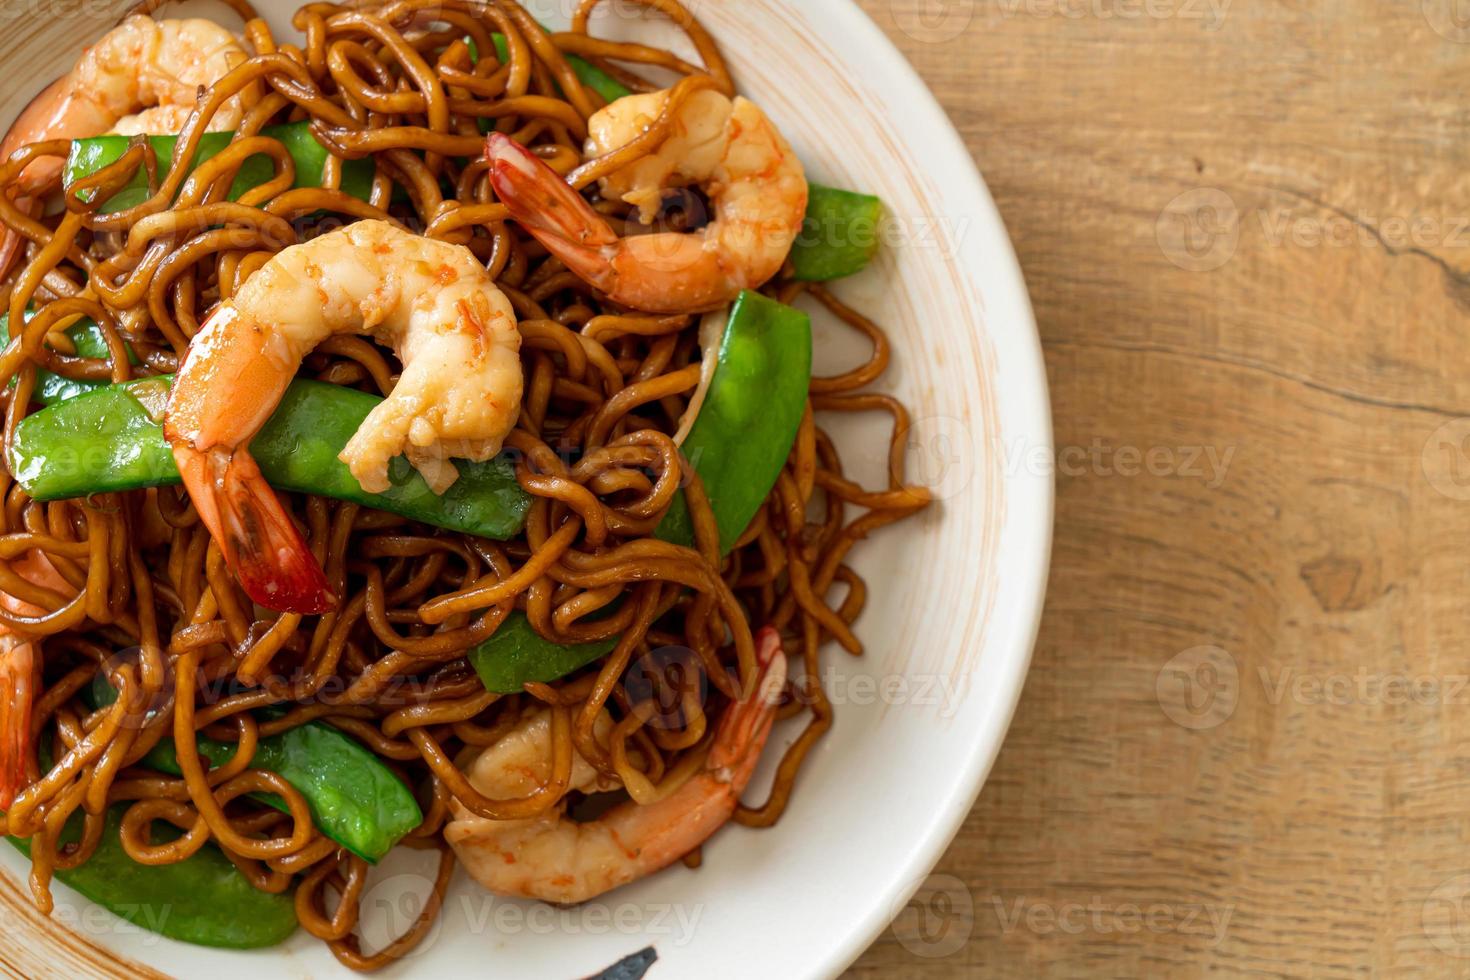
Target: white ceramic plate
{"x": 955, "y": 594}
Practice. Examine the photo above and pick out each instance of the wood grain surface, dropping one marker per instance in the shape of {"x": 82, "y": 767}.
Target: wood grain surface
{"x": 1244, "y": 747}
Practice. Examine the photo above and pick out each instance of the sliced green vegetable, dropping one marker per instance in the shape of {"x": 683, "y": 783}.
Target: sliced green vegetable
{"x": 99, "y": 441}
{"x": 738, "y": 444}
{"x": 111, "y": 439}
{"x": 839, "y": 235}
{"x": 516, "y": 654}
{"x": 355, "y": 799}
{"x": 745, "y": 428}
{"x": 202, "y": 900}
{"x": 50, "y": 388}
{"x": 92, "y": 154}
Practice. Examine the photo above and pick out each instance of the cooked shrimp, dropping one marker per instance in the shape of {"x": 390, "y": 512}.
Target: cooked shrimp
{"x": 458, "y": 396}
{"x": 19, "y": 673}
{"x": 754, "y": 183}
{"x": 143, "y": 76}
{"x": 556, "y": 859}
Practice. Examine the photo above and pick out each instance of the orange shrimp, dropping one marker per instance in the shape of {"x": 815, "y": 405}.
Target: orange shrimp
{"x": 20, "y": 669}
{"x": 458, "y": 396}
{"x": 556, "y": 859}
{"x": 143, "y": 76}
{"x": 728, "y": 147}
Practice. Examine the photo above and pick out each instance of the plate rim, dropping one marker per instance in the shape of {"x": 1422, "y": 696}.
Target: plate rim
{"x": 1031, "y": 516}
{"x": 1022, "y": 403}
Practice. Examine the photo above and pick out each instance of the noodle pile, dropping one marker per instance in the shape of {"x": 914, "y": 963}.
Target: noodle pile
{"x": 157, "y": 613}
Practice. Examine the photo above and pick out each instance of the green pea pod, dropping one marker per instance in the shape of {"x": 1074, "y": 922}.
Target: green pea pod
{"x": 111, "y": 439}
{"x": 839, "y": 235}
{"x": 743, "y": 433}
{"x": 50, "y": 388}
{"x": 92, "y": 154}
{"x": 515, "y": 654}
{"x": 355, "y": 799}
{"x": 738, "y": 445}
{"x": 202, "y": 900}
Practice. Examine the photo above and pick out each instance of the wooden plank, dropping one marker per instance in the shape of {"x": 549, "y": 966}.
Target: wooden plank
{"x": 1246, "y": 230}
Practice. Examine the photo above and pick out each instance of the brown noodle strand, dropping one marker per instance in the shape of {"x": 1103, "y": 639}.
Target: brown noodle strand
{"x": 149, "y": 606}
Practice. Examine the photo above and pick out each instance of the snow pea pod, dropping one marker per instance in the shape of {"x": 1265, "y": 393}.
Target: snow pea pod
{"x": 203, "y": 899}
{"x": 354, "y": 798}
{"x": 87, "y": 338}
{"x": 745, "y": 428}
{"x": 738, "y": 444}
{"x": 515, "y": 654}
{"x": 92, "y": 154}
{"x": 111, "y": 439}
{"x": 839, "y": 235}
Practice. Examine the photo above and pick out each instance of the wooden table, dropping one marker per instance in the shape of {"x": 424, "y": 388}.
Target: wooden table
{"x": 1244, "y": 746}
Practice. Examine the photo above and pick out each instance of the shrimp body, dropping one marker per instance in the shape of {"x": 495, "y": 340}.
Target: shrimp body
{"x": 458, "y": 396}
{"x": 556, "y": 859}
{"x": 755, "y": 185}
{"x": 143, "y": 76}
{"x": 19, "y": 671}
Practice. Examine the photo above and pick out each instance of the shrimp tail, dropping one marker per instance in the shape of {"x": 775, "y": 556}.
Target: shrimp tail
{"x": 547, "y": 207}
{"x": 17, "y": 691}
{"x": 745, "y": 725}
{"x": 259, "y": 541}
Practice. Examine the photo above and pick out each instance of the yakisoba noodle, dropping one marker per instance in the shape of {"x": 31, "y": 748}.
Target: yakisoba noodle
{"x": 604, "y": 391}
